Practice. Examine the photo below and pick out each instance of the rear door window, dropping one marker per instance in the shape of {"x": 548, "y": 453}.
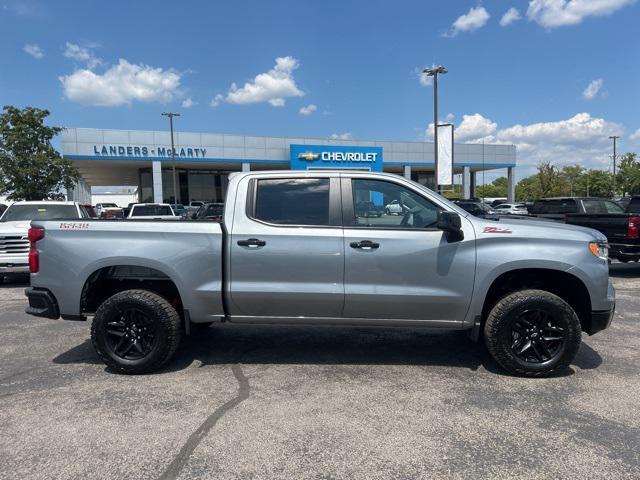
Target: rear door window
{"x": 292, "y": 201}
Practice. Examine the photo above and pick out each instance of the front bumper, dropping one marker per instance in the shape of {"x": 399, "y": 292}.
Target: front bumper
{"x": 7, "y": 268}
{"x": 601, "y": 319}
{"x": 42, "y": 303}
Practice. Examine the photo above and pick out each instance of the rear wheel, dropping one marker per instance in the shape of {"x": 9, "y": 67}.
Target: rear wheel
{"x": 136, "y": 331}
{"x": 532, "y": 333}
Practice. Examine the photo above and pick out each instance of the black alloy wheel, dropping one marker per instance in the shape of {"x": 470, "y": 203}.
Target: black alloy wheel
{"x": 132, "y": 336}
{"x": 536, "y": 337}
{"x": 532, "y": 333}
{"x": 136, "y": 331}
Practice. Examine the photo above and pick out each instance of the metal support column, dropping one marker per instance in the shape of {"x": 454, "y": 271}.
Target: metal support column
{"x": 511, "y": 184}
{"x": 156, "y": 169}
{"x": 466, "y": 182}
{"x": 407, "y": 172}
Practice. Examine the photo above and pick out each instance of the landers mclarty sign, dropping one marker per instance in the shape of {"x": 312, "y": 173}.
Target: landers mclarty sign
{"x": 144, "y": 151}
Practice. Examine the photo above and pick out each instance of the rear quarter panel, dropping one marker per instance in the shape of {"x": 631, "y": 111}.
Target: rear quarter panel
{"x": 189, "y": 253}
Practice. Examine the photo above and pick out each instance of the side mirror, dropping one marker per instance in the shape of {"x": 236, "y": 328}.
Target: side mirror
{"x": 451, "y": 225}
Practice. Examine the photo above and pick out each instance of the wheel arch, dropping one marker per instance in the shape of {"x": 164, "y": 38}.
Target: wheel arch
{"x": 565, "y": 285}
{"x": 108, "y": 279}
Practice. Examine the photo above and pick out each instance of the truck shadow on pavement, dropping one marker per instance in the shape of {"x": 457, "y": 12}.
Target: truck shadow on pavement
{"x": 257, "y": 345}
{"x": 624, "y": 270}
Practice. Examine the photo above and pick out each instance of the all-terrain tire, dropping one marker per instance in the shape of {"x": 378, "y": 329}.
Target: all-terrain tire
{"x": 498, "y": 331}
{"x": 160, "y": 314}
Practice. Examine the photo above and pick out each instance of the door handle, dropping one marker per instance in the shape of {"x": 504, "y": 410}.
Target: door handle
{"x": 364, "y": 245}
{"x": 252, "y": 243}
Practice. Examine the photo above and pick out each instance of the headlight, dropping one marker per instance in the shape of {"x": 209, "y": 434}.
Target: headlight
{"x": 600, "y": 250}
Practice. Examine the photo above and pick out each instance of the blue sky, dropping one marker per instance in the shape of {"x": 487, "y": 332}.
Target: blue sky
{"x": 555, "y": 78}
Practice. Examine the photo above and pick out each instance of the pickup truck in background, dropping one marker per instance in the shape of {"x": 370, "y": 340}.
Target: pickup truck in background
{"x": 14, "y": 225}
{"x": 293, "y": 249}
{"x": 620, "y": 226}
{"x": 152, "y": 211}
{"x": 556, "y": 208}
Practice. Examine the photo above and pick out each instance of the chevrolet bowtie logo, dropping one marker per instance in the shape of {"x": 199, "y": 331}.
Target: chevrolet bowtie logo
{"x": 308, "y": 156}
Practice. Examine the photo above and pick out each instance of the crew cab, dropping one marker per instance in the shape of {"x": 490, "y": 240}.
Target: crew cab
{"x": 293, "y": 249}
{"x": 14, "y": 224}
{"x": 157, "y": 211}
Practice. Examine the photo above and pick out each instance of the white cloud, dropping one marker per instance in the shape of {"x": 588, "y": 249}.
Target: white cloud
{"x": 449, "y": 117}
{"x": 635, "y": 136}
{"x": 593, "y": 89}
{"x": 215, "y": 101}
{"x": 558, "y": 13}
{"x": 121, "y": 84}
{"x": 474, "y": 126}
{"x": 340, "y": 136}
{"x": 34, "y": 50}
{"x": 308, "y": 110}
{"x": 510, "y": 16}
{"x": 273, "y": 86}
{"x": 81, "y": 54}
{"x": 424, "y": 79}
{"x": 188, "y": 103}
{"x": 580, "y": 139}
{"x": 475, "y": 18}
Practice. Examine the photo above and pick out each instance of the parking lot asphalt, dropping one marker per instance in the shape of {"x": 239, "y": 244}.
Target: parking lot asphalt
{"x": 316, "y": 402}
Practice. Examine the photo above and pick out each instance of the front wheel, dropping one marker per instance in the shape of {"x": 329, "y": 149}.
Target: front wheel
{"x": 136, "y": 331}
{"x": 532, "y": 333}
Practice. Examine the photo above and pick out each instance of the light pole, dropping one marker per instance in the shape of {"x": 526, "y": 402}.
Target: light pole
{"x": 433, "y": 72}
{"x": 614, "y": 138}
{"x": 173, "y": 154}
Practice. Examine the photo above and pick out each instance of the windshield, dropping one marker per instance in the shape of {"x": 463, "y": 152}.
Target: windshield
{"x": 38, "y": 212}
{"x": 151, "y": 210}
{"x": 109, "y": 205}
{"x": 441, "y": 199}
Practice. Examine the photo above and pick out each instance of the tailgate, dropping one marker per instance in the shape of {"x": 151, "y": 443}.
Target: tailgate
{"x": 612, "y": 225}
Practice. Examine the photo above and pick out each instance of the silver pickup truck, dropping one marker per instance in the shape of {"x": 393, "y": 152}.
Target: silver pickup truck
{"x": 317, "y": 247}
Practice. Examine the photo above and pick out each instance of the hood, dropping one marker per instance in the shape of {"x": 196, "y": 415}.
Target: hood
{"x": 538, "y": 229}
{"x": 19, "y": 227}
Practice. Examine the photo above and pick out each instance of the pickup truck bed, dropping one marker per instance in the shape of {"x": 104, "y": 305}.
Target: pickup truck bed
{"x": 190, "y": 253}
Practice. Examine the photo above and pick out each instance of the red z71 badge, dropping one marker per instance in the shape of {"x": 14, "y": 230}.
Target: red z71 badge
{"x": 496, "y": 230}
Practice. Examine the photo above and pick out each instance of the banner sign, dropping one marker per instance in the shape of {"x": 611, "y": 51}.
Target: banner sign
{"x": 445, "y": 155}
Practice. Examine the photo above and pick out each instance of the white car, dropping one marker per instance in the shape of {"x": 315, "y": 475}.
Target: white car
{"x": 512, "y": 209}
{"x": 103, "y": 208}
{"x": 14, "y": 224}
{"x": 394, "y": 207}
{"x": 152, "y": 211}
{"x": 194, "y": 206}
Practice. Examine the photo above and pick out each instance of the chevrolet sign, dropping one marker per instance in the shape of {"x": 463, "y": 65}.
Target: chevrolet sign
{"x": 335, "y": 156}
{"x": 308, "y": 156}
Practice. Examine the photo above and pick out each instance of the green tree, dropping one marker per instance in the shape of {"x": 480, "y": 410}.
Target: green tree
{"x": 571, "y": 176}
{"x": 598, "y": 183}
{"x": 495, "y": 189}
{"x": 628, "y": 175}
{"x": 30, "y": 168}
{"x": 550, "y": 181}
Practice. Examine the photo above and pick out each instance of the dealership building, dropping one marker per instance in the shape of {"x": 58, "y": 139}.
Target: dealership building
{"x": 143, "y": 159}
